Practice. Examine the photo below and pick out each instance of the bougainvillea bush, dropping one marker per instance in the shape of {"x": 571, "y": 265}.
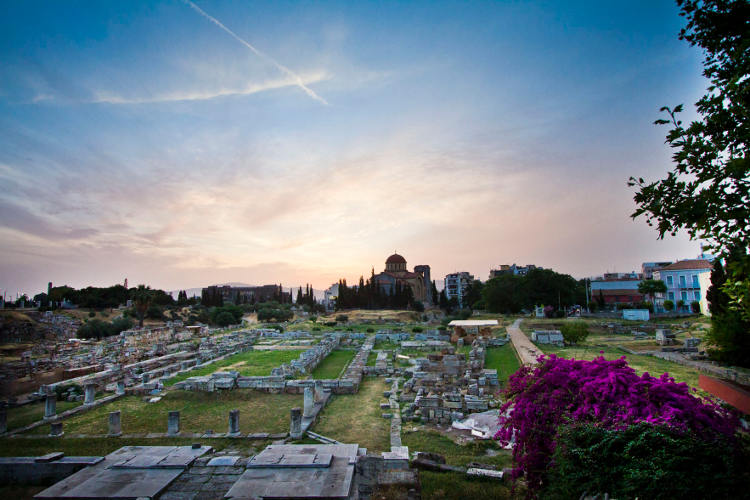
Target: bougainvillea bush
{"x": 645, "y": 461}
{"x": 560, "y": 392}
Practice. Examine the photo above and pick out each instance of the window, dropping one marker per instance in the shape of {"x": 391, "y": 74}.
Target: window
{"x": 683, "y": 296}
{"x": 670, "y": 281}
{"x": 671, "y": 296}
{"x": 697, "y": 296}
{"x": 695, "y": 281}
{"x": 682, "y": 282}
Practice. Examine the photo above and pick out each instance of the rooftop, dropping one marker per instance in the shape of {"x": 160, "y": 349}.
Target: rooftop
{"x": 688, "y": 264}
{"x": 473, "y": 322}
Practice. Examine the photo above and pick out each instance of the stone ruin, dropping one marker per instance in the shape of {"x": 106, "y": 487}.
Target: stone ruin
{"x": 553, "y": 337}
{"x": 335, "y": 471}
{"x": 289, "y": 377}
{"x": 446, "y": 386}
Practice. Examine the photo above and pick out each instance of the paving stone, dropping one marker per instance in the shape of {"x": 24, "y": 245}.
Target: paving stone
{"x": 178, "y": 495}
{"x": 226, "y": 460}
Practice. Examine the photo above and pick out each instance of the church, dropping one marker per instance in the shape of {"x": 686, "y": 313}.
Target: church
{"x": 396, "y": 272}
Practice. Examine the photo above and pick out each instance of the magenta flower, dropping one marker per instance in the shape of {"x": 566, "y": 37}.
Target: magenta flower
{"x": 605, "y": 393}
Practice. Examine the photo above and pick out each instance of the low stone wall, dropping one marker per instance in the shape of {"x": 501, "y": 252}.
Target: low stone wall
{"x": 42, "y": 471}
{"x": 281, "y": 379}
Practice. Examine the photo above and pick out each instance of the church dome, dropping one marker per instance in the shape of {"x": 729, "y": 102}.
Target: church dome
{"x": 395, "y": 259}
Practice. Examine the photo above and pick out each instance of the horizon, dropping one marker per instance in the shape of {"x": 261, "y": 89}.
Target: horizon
{"x": 183, "y": 143}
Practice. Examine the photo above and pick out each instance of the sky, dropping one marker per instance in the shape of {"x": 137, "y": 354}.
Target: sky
{"x": 182, "y": 144}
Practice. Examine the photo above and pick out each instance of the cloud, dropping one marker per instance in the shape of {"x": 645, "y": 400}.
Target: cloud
{"x": 203, "y": 95}
{"x": 18, "y": 218}
{"x": 297, "y": 79}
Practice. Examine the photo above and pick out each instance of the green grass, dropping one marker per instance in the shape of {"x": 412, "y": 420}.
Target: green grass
{"x": 82, "y": 447}
{"x": 199, "y": 411}
{"x": 356, "y": 418}
{"x": 371, "y": 358}
{"x": 456, "y": 454}
{"x": 439, "y": 485}
{"x": 504, "y": 360}
{"x": 22, "y": 416}
{"x": 248, "y": 364}
{"x": 640, "y": 363}
{"x": 455, "y": 485}
{"x": 332, "y": 365}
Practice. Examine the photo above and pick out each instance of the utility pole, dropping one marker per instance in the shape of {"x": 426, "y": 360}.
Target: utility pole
{"x": 586, "y": 284}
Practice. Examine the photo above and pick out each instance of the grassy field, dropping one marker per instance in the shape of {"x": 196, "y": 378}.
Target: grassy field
{"x": 606, "y": 344}
{"x": 199, "y": 412}
{"x": 455, "y": 486}
{"x": 437, "y": 485}
{"x": 249, "y": 363}
{"x": 371, "y": 358}
{"x": 28, "y": 414}
{"x": 456, "y": 454}
{"x": 640, "y": 362}
{"x": 504, "y": 360}
{"x": 357, "y": 418}
{"x": 332, "y": 365}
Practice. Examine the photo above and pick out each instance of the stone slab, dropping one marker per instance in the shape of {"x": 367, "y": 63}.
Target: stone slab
{"x": 113, "y": 483}
{"x": 286, "y": 460}
{"x": 221, "y": 461}
{"x": 130, "y": 472}
{"x": 331, "y": 482}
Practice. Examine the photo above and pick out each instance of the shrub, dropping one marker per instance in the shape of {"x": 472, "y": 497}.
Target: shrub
{"x": 644, "y": 461}
{"x": 277, "y": 314}
{"x": 316, "y": 329}
{"x": 442, "y": 328}
{"x": 224, "y": 318}
{"x": 549, "y": 311}
{"x": 94, "y": 328}
{"x": 417, "y": 329}
{"x": 121, "y": 324}
{"x": 342, "y": 318}
{"x": 330, "y": 323}
{"x": 608, "y": 394}
{"x": 695, "y": 307}
{"x": 668, "y": 305}
{"x": 370, "y": 330}
{"x": 574, "y": 331}
{"x": 92, "y": 314}
{"x": 418, "y": 306}
{"x": 154, "y": 312}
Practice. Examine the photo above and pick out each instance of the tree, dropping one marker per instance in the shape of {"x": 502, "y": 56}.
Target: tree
{"x": 224, "y": 318}
{"x": 574, "y": 331}
{"x": 142, "y": 297}
{"x": 651, "y": 288}
{"x": 728, "y": 338}
{"x": 708, "y": 191}
{"x": 473, "y": 294}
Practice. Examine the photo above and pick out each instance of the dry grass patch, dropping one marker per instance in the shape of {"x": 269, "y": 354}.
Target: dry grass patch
{"x": 199, "y": 412}
{"x": 357, "y": 418}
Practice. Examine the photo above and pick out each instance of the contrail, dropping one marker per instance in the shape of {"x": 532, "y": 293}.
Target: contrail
{"x": 258, "y": 53}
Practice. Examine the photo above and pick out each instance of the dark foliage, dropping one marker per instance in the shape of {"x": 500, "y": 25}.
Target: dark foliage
{"x": 645, "y": 461}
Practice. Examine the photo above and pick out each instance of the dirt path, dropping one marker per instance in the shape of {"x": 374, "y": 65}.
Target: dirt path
{"x": 526, "y": 350}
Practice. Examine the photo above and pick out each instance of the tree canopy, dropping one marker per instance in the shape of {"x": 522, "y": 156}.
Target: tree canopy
{"x": 707, "y": 193}
{"x": 510, "y": 293}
